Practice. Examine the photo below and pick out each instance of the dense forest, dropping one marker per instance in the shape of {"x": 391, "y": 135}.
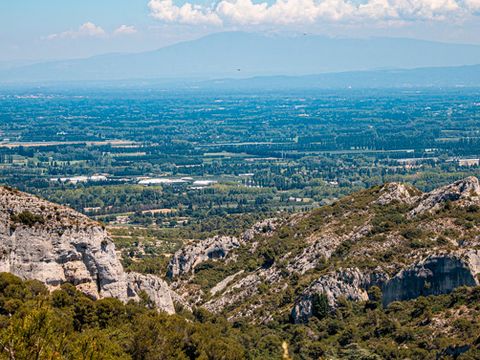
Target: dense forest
{"x": 65, "y": 324}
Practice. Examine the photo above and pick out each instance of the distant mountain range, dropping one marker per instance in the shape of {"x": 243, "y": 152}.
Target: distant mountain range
{"x": 439, "y": 77}
{"x": 241, "y": 55}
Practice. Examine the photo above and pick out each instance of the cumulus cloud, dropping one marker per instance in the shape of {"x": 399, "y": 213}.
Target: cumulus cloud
{"x": 284, "y": 12}
{"x": 188, "y": 13}
{"x": 88, "y": 29}
{"x": 125, "y": 30}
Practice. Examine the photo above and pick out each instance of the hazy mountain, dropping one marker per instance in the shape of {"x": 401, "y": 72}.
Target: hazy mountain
{"x": 7, "y": 65}
{"x": 460, "y": 76}
{"x": 240, "y": 55}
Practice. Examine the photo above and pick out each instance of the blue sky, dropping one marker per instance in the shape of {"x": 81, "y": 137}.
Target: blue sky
{"x": 56, "y": 29}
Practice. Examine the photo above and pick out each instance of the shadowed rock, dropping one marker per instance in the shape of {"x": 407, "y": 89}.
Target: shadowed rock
{"x": 436, "y": 275}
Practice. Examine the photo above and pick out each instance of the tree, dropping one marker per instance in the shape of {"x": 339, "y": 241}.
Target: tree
{"x": 374, "y": 298}
{"x": 38, "y": 334}
{"x": 320, "y": 306}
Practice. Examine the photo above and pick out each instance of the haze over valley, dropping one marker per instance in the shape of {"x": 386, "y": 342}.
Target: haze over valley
{"x": 239, "y": 180}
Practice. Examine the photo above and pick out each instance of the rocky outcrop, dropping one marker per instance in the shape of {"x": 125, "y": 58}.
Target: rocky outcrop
{"x": 323, "y": 245}
{"x": 156, "y": 289}
{"x": 224, "y": 283}
{"x": 238, "y": 292}
{"x": 54, "y": 244}
{"x": 350, "y": 284}
{"x": 464, "y": 193}
{"x": 395, "y": 192}
{"x": 362, "y": 241}
{"x": 186, "y": 259}
{"x": 265, "y": 228}
{"x": 435, "y": 275}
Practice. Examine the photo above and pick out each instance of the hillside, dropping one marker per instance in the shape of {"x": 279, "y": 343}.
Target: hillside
{"x": 55, "y": 245}
{"x": 242, "y": 55}
{"x": 388, "y": 272}
{"x": 391, "y": 240}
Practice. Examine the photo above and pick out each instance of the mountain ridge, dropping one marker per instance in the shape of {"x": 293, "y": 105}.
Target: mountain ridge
{"x": 427, "y": 77}
{"x": 241, "y": 55}
{"x": 406, "y": 243}
{"x": 392, "y": 237}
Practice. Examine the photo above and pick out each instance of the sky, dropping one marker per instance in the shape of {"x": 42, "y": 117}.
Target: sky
{"x": 37, "y": 30}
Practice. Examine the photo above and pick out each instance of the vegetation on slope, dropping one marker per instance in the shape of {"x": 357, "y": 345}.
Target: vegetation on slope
{"x": 358, "y": 232}
{"x": 65, "y": 324}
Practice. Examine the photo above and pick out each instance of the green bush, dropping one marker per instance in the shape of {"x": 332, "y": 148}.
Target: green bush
{"x": 320, "y": 306}
{"x": 27, "y": 218}
{"x": 65, "y": 324}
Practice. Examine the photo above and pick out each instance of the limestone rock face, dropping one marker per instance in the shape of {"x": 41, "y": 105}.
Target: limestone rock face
{"x": 341, "y": 251}
{"x": 435, "y": 275}
{"x": 54, "y": 244}
{"x": 156, "y": 289}
{"x": 186, "y": 259}
{"x": 238, "y": 292}
{"x": 395, "y": 192}
{"x": 265, "y": 228}
{"x": 464, "y": 193}
{"x": 224, "y": 283}
{"x": 351, "y": 284}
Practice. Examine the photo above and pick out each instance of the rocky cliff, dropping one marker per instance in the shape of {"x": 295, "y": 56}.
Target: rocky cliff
{"x": 54, "y": 244}
{"x": 185, "y": 260}
{"x": 394, "y": 237}
{"x": 405, "y": 242}
{"x": 437, "y": 274}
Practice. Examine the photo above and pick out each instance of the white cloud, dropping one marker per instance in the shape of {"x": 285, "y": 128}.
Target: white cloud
{"x": 473, "y": 5}
{"x": 125, "y": 30}
{"x": 88, "y": 29}
{"x": 284, "y": 12}
{"x": 188, "y": 13}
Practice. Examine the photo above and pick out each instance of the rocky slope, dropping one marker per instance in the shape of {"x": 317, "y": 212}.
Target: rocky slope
{"x": 54, "y": 244}
{"x": 391, "y": 237}
{"x": 190, "y": 256}
{"x": 394, "y": 237}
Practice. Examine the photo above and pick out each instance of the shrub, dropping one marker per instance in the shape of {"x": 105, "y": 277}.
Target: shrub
{"x": 412, "y": 233}
{"x": 27, "y": 218}
{"x": 374, "y": 298}
{"x": 320, "y": 306}
{"x": 346, "y": 337}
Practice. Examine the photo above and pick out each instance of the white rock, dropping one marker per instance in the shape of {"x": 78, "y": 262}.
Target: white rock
{"x": 464, "y": 193}
{"x": 65, "y": 246}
